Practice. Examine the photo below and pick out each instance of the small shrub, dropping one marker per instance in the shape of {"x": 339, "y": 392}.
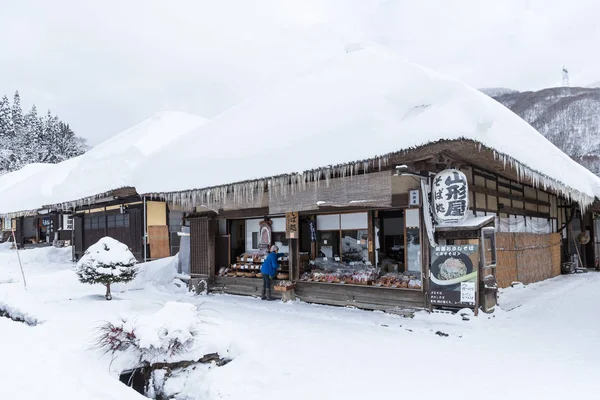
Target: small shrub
{"x": 108, "y": 261}
{"x": 171, "y": 331}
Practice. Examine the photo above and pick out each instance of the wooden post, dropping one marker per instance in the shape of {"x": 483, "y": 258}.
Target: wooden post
{"x": 371, "y": 237}
{"x": 19, "y": 258}
{"x": 294, "y": 259}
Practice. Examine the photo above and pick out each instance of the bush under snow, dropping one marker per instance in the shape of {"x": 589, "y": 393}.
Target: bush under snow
{"x": 171, "y": 331}
{"x": 108, "y": 261}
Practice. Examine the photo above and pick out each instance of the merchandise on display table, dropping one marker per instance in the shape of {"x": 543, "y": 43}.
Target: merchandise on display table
{"x": 331, "y": 271}
{"x": 248, "y": 265}
{"x": 359, "y": 273}
{"x": 406, "y": 280}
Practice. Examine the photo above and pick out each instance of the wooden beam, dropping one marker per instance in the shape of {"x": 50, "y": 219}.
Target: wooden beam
{"x": 492, "y": 192}
{"x": 520, "y": 211}
{"x": 245, "y": 213}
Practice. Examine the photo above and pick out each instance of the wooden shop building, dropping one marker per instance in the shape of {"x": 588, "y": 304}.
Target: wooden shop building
{"x": 38, "y": 228}
{"x": 363, "y": 235}
{"x": 148, "y": 226}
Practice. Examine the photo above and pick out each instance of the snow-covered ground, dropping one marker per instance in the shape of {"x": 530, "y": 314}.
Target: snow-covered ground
{"x": 544, "y": 343}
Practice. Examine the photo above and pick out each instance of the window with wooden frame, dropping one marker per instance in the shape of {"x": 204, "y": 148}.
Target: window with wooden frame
{"x": 343, "y": 237}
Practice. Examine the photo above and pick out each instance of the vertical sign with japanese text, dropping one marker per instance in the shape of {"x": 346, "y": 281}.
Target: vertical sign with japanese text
{"x": 450, "y": 196}
{"x": 312, "y": 226}
{"x": 291, "y": 225}
{"x": 413, "y": 198}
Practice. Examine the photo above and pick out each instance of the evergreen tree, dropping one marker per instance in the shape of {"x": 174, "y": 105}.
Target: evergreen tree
{"x": 28, "y": 138}
{"x": 6, "y": 124}
{"x": 48, "y": 139}
{"x": 29, "y": 142}
{"x": 108, "y": 261}
{"x": 67, "y": 144}
{"x": 6, "y": 135}
{"x": 17, "y": 113}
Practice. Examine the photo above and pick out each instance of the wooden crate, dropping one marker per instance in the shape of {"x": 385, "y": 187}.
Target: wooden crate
{"x": 284, "y": 288}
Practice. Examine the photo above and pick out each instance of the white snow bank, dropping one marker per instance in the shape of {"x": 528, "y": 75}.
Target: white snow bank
{"x": 338, "y": 352}
{"x": 48, "y": 256}
{"x": 364, "y": 103}
{"x": 105, "y": 167}
{"x": 160, "y": 273}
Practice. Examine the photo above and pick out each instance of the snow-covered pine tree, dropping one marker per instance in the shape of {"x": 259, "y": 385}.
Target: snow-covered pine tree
{"x": 17, "y": 113}
{"x": 6, "y": 124}
{"x": 67, "y": 144}
{"x": 26, "y": 139}
{"x": 28, "y": 143}
{"x": 108, "y": 261}
{"x": 6, "y": 135}
{"x": 49, "y": 152}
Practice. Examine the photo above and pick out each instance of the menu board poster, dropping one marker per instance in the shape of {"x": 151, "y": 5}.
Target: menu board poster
{"x": 453, "y": 275}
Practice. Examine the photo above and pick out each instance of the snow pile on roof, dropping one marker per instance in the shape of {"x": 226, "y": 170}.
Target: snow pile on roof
{"x": 13, "y": 178}
{"x": 366, "y": 103}
{"x": 105, "y": 167}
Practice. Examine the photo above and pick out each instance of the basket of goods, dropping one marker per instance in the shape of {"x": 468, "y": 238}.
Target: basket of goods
{"x": 319, "y": 277}
{"x": 305, "y": 277}
{"x": 283, "y": 276}
{"x": 583, "y": 238}
{"x": 414, "y": 284}
{"x": 258, "y": 275}
{"x": 362, "y": 277}
{"x": 250, "y": 275}
{"x": 231, "y": 273}
{"x": 239, "y": 273}
{"x": 284, "y": 286}
{"x": 386, "y": 281}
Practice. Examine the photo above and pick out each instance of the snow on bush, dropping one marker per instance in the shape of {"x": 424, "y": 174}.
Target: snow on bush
{"x": 108, "y": 261}
{"x": 17, "y": 315}
{"x": 171, "y": 331}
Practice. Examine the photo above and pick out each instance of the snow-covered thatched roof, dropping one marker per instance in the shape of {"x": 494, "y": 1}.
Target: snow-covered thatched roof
{"x": 364, "y": 105}
{"x": 106, "y": 167}
{"x": 13, "y": 178}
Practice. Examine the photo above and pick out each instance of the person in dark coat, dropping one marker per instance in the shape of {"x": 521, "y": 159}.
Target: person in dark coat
{"x": 269, "y": 271}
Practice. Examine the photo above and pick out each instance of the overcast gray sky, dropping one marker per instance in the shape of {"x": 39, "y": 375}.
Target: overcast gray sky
{"x": 104, "y": 66}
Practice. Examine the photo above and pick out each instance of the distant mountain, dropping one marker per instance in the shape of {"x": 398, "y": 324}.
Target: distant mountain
{"x": 593, "y": 85}
{"x": 494, "y": 92}
{"x": 567, "y": 116}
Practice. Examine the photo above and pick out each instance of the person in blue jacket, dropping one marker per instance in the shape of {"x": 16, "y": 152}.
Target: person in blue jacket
{"x": 268, "y": 271}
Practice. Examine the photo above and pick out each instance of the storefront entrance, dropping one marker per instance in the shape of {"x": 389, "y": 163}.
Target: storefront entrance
{"x": 369, "y": 259}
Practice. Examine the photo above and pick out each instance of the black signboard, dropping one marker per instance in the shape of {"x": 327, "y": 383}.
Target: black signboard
{"x": 453, "y": 275}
